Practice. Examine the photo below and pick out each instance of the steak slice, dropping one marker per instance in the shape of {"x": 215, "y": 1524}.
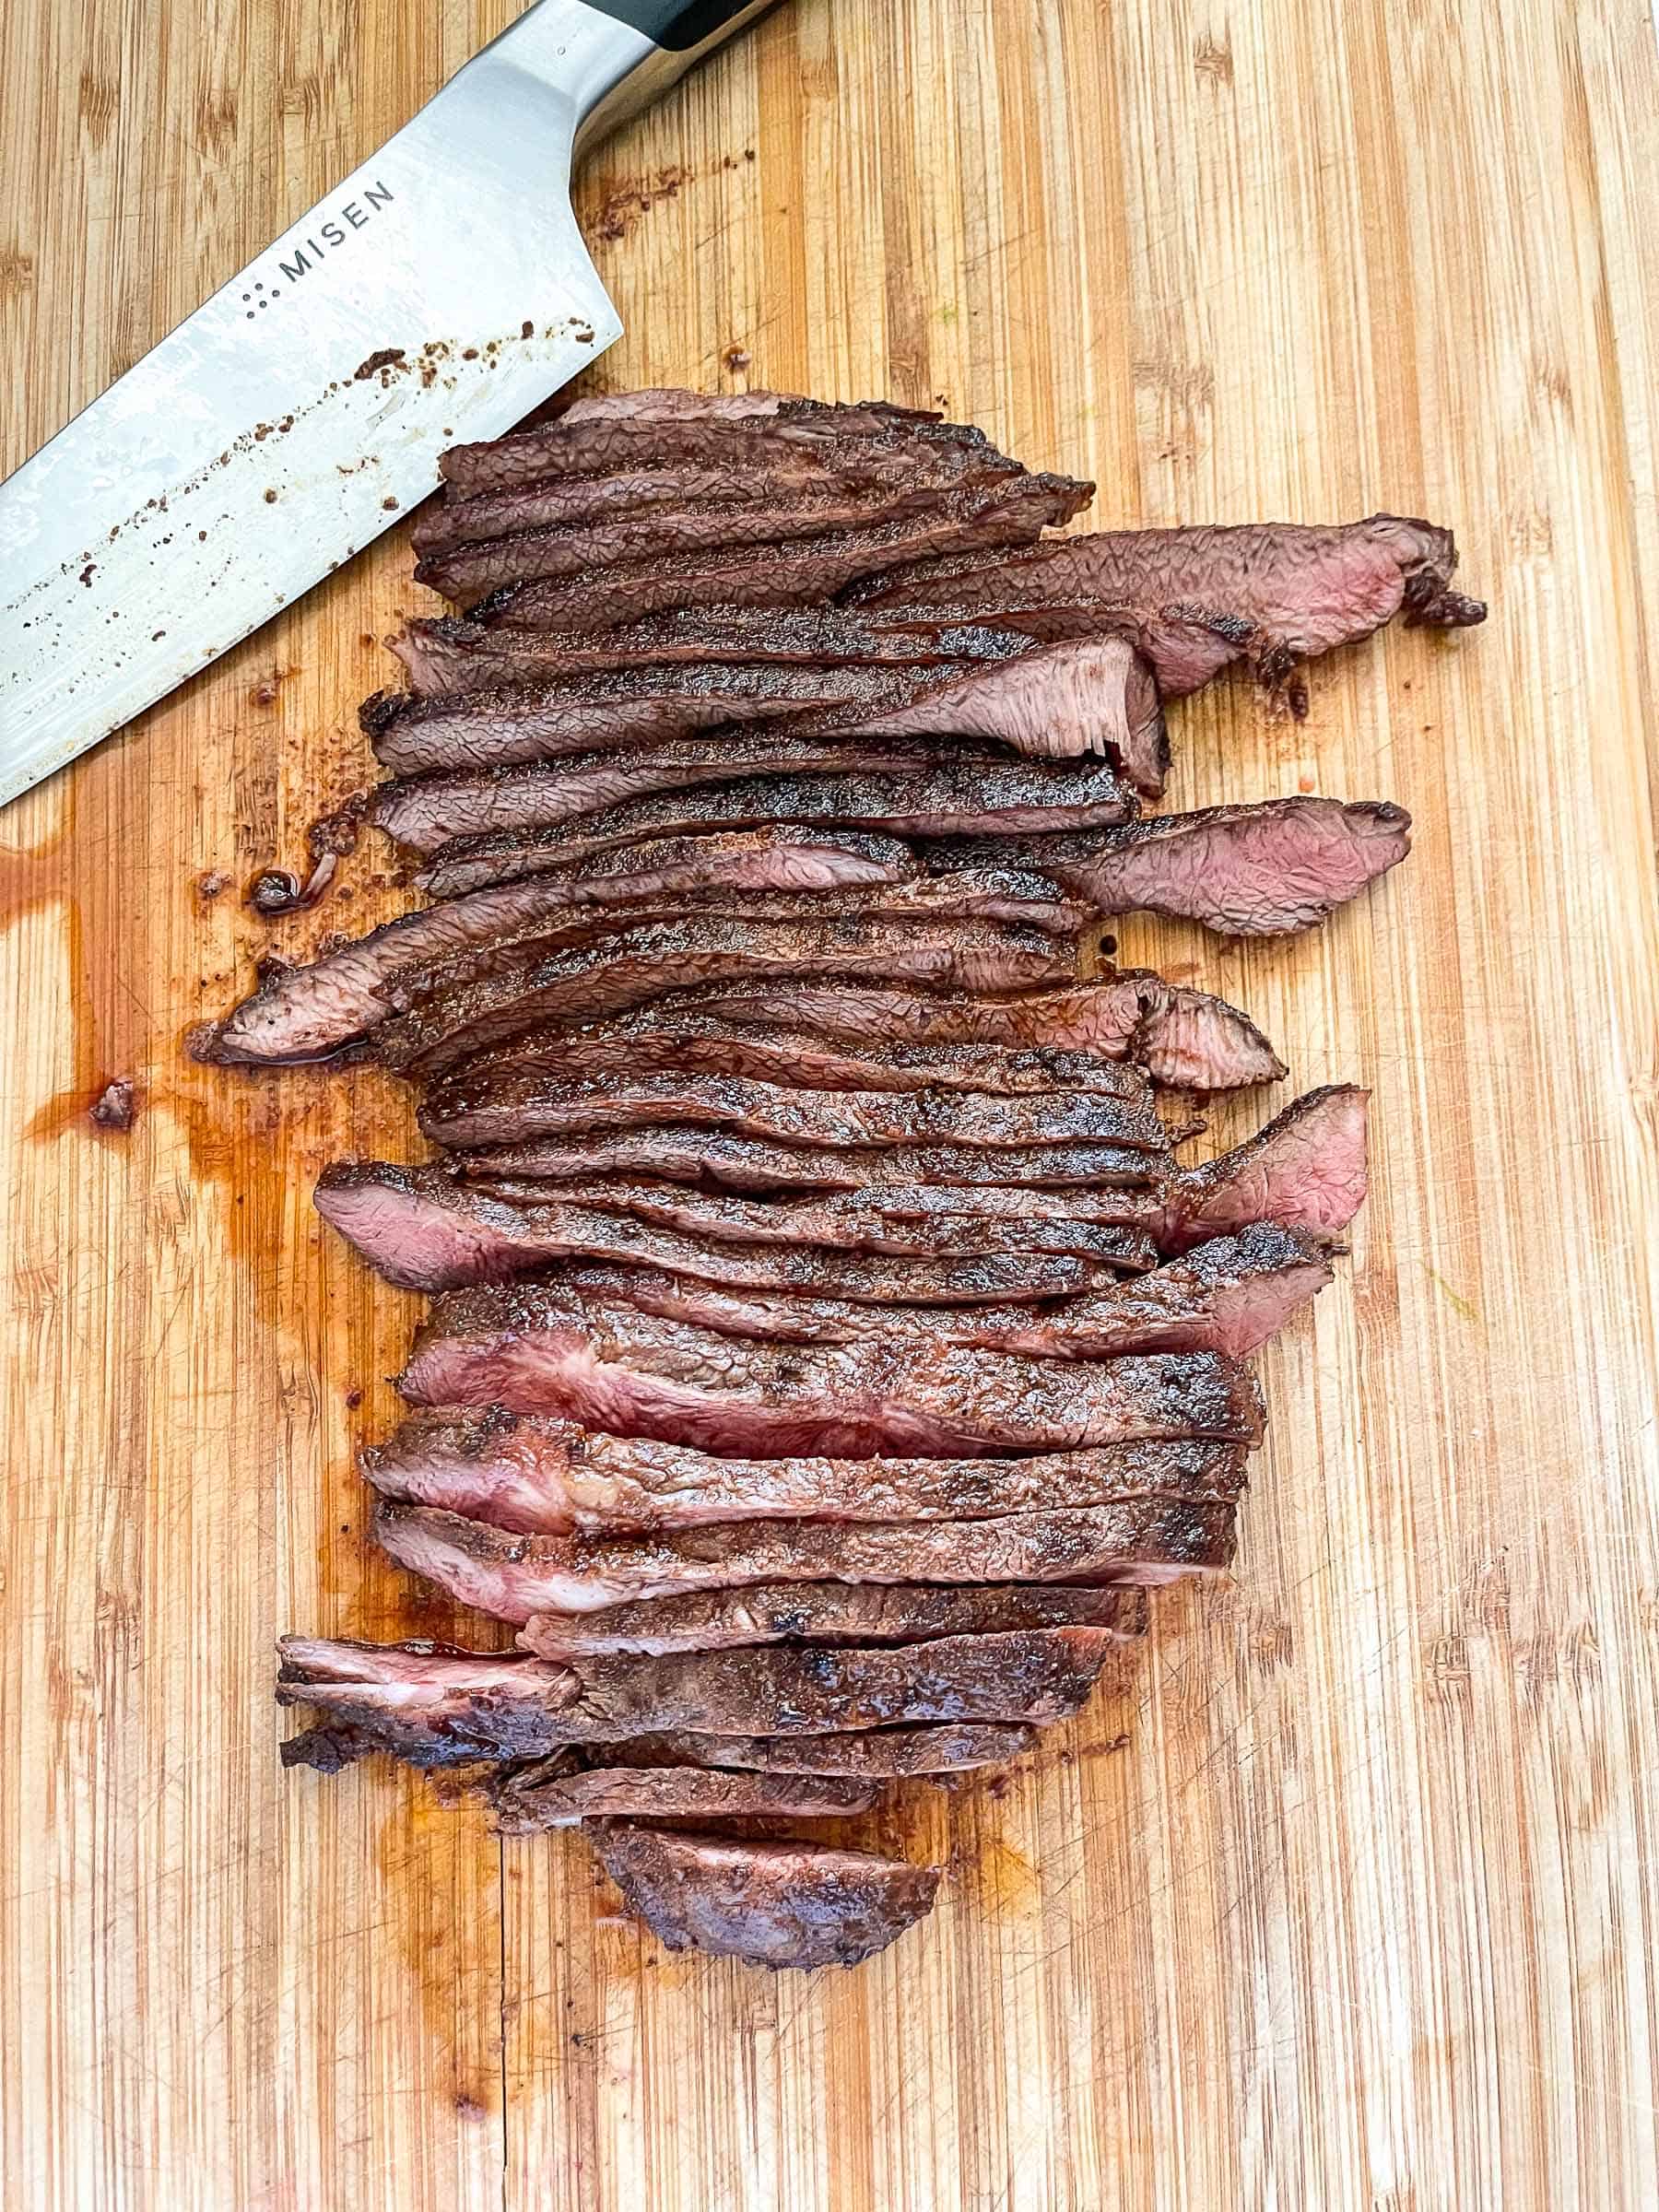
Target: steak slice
{"x": 625, "y": 966}
{"x": 797, "y": 569}
{"x": 749, "y": 1165}
{"x": 450, "y": 654}
{"x": 963, "y": 796}
{"x": 872, "y": 1755}
{"x": 769, "y": 1904}
{"x": 423, "y": 1232}
{"x": 500, "y": 1705}
{"x": 564, "y": 500}
{"x": 1184, "y": 1038}
{"x": 875, "y": 1755}
{"x": 524, "y": 1801}
{"x": 1229, "y": 1295}
{"x": 672, "y": 430}
{"x": 1091, "y": 695}
{"x": 512, "y": 1578}
{"x": 834, "y": 1612}
{"x": 539, "y": 1476}
{"x": 1306, "y": 1170}
{"x": 1028, "y": 902}
{"x": 672, "y": 1036}
{"x": 466, "y": 570}
{"x": 309, "y": 1012}
{"x": 538, "y": 1348}
{"x": 1266, "y": 870}
{"x": 511, "y": 1107}
{"x": 641, "y": 711}
{"x": 1193, "y": 600}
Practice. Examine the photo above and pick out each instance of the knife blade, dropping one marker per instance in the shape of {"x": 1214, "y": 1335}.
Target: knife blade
{"x": 438, "y": 293}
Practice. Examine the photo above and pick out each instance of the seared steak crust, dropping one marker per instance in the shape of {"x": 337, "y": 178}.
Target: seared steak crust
{"x": 773, "y": 1904}
{"x": 833, "y": 1612}
{"x": 502, "y": 1705}
{"x": 514, "y": 1577}
{"x": 536, "y": 1348}
{"x": 541, "y": 1476}
{"x": 424, "y": 1232}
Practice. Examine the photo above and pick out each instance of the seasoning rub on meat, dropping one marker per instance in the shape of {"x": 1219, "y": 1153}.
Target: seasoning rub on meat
{"x": 830, "y": 1352}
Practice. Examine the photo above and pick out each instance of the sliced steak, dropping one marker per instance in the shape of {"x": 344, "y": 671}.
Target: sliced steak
{"x": 452, "y": 653}
{"x": 624, "y": 967}
{"x": 1094, "y": 695}
{"x": 511, "y": 1108}
{"x": 312, "y": 1011}
{"x": 674, "y": 1036}
{"x": 536, "y": 1348}
{"x": 309, "y": 1012}
{"x": 524, "y": 1801}
{"x": 466, "y": 570}
{"x": 496, "y": 1705}
{"x": 1266, "y": 870}
{"x": 961, "y": 797}
{"x": 540, "y": 1477}
{"x": 1183, "y": 1037}
{"x": 641, "y": 712}
{"x": 978, "y": 895}
{"x": 423, "y": 1232}
{"x": 671, "y": 430}
{"x": 564, "y": 500}
{"x": 532, "y": 1173}
{"x": 797, "y": 569}
{"x": 769, "y": 1904}
{"x": 875, "y": 1755}
{"x": 1195, "y": 600}
{"x": 834, "y": 1612}
{"x": 1306, "y": 1170}
{"x": 1229, "y": 1295}
{"x": 512, "y": 1578}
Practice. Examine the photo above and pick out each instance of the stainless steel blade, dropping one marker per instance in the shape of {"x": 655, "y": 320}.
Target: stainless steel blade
{"x": 438, "y": 294}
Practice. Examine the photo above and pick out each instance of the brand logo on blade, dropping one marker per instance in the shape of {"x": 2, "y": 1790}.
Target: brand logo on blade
{"x": 329, "y": 236}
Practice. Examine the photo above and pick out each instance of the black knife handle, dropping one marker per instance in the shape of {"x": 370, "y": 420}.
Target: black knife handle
{"x": 674, "y": 25}
{"x": 681, "y": 31}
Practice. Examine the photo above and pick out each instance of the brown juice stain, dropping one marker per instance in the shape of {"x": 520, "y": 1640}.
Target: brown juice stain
{"x": 426, "y": 1850}
{"x": 223, "y": 1160}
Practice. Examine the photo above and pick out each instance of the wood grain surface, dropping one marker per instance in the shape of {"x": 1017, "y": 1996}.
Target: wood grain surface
{"x": 1343, "y": 1894}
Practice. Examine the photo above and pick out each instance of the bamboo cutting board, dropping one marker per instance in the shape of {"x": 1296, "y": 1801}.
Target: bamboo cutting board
{"x": 1344, "y": 1892}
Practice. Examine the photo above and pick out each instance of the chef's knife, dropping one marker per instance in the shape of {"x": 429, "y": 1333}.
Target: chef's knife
{"x": 438, "y": 293}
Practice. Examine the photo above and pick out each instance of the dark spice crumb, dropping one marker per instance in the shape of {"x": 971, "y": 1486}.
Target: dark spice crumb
{"x": 389, "y": 357}
{"x": 738, "y": 357}
{"x": 339, "y": 832}
{"x": 274, "y": 891}
{"x": 116, "y": 1106}
{"x": 210, "y": 885}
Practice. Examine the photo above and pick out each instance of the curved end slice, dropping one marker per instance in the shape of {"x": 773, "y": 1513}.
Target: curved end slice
{"x": 773, "y": 1904}
{"x": 1264, "y": 870}
{"x": 1306, "y": 1171}
{"x": 1430, "y": 600}
{"x": 1191, "y": 1041}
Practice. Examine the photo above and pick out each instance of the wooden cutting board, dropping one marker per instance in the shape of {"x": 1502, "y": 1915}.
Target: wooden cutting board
{"x": 1343, "y": 1893}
